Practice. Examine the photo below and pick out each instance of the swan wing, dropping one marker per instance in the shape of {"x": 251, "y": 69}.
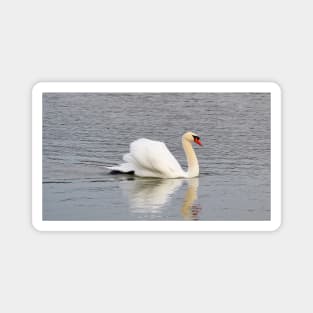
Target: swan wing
{"x": 152, "y": 158}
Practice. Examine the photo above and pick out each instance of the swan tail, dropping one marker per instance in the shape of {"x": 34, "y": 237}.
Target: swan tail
{"x": 126, "y": 168}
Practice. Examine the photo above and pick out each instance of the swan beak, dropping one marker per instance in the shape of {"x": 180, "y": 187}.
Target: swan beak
{"x": 198, "y": 142}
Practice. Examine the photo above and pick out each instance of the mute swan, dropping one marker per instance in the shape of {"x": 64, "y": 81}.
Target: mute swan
{"x": 149, "y": 158}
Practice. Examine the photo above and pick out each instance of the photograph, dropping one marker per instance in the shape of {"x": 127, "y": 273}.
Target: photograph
{"x": 156, "y": 156}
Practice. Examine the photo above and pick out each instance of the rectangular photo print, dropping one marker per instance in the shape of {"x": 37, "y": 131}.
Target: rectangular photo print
{"x": 156, "y": 156}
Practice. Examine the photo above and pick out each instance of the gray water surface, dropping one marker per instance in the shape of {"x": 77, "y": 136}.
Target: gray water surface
{"x": 84, "y": 132}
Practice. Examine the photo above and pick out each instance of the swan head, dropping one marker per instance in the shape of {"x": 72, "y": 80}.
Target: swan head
{"x": 192, "y": 137}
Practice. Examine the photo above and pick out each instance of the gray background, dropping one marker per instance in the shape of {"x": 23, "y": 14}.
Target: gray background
{"x": 155, "y": 40}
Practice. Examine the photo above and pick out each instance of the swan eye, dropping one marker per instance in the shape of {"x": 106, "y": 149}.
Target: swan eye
{"x": 195, "y": 137}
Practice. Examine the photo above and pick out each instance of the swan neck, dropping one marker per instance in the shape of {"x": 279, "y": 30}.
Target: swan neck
{"x": 192, "y": 161}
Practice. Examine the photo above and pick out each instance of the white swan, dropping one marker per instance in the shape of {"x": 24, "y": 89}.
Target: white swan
{"x": 149, "y": 158}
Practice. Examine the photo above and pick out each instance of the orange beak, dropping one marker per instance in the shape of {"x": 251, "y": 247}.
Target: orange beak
{"x": 198, "y": 142}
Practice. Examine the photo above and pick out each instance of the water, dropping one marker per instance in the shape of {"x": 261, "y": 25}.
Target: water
{"x": 83, "y": 133}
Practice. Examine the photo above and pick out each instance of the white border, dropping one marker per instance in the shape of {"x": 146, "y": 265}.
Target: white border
{"x": 42, "y": 225}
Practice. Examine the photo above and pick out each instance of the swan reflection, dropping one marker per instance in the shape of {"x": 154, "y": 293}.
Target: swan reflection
{"x": 190, "y": 210}
{"x": 153, "y": 195}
